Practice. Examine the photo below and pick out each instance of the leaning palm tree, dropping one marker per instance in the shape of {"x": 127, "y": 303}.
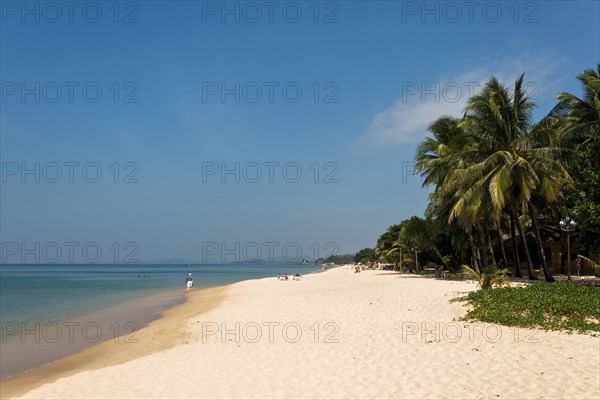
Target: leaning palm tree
{"x": 438, "y": 211}
{"x": 437, "y": 157}
{"x": 432, "y": 231}
{"x": 396, "y": 252}
{"x": 439, "y": 154}
{"x": 385, "y": 248}
{"x": 466, "y": 216}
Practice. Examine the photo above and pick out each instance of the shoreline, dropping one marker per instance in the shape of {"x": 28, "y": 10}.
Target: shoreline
{"x": 159, "y": 334}
{"x": 384, "y": 334}
{"x": 47, "y": 342}
{"x": 43, "y": 343}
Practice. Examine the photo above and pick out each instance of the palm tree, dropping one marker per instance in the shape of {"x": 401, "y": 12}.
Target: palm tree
{"x": 495, "y": 162}
{"x": 432, "y": 230}
{"x": 439, "y": 154}
{"x": 436, "y": 157}
{"x": 396, "y": 251}
{"x": 580, "y": 120}
{"x": 499, "y": 121}
{"x": 581, "y": 117}
{"x": 450, "y": 149}
{"x": 386, "y": 247}
{"x": 549, "y": 151}
{"x": 421, "y": 234}
{"x": 410, "y": 239}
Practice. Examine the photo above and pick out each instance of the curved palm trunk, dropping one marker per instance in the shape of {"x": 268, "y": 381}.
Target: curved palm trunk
{"x": 482, "y": 247}
{"x": 547, "y": 273}
{"x": 478, "y": 257}
{"x": 490, "y": 247}
{"x": 530, "y": 272}
{"x": 473, "y": 252}
{"x": 437, "y": 251}
{"x": 517, "y": 266}
{"x": 502, "y": 247}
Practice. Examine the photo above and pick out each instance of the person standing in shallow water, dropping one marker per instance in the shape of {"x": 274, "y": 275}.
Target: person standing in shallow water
{"x": 189, "y": 282}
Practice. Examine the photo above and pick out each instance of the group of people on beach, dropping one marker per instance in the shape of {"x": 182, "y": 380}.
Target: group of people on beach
{"x": 189, "y": 281}
{"x": 360, "y": 266}
{"x": 285, "y": 277}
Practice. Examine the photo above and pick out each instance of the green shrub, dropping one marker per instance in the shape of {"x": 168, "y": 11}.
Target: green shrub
{"x": 490, "y": 276}
{"x": 551, "y": 306}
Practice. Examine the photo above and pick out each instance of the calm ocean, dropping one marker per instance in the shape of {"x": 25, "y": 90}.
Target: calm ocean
{"x": 54, "y": 293}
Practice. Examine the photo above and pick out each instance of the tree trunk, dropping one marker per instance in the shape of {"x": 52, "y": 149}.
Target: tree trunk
{"x": 417, "y": 262}
{"x": 490, "y": 247}
{"x": 473, "y": 254}
{"x": 478, "y": 257}
{"x": 504, "y": 258}
{"x": 482, "y": 247}
{"x": 437, "y": 251}
{"x": 401, "y": 262}
{"x": 534, "y": 220}
{"x": 517, "y": 267}
{"x": 530, "y": 272}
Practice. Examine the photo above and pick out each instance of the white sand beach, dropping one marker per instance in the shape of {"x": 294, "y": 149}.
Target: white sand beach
{"x": 332, "y": 335}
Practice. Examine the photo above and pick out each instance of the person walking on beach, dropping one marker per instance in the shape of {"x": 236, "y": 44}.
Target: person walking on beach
{"x": 189, "y": 282}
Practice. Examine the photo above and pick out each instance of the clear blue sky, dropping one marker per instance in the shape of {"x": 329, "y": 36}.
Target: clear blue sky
{"x": 382, "y": 71}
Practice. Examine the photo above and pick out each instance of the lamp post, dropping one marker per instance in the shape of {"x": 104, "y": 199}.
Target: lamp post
{"x": 568, "y": 224}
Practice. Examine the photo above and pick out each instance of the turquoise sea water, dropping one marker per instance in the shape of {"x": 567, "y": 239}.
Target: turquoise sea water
{"x": 54, "y": 293}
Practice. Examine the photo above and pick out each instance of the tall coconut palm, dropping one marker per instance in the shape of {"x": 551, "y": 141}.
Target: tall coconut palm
{"x": 502, "y": 169}
{"x": 495, "y": 162}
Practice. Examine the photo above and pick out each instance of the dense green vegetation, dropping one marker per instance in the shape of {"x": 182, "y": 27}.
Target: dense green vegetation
{"x": 364, "y": 256}
{"x": 501, "y": 182}
{"x": 338, "y": 259}
{"x": 563, "y": 306}
{"x": 499, "y": 178}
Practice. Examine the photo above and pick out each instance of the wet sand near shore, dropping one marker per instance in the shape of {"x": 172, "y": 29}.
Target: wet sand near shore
{"x": 31, "y": 345}
{"x": 160, "y": 334}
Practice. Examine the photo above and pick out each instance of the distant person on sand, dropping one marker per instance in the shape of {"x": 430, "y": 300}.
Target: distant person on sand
{"x": 189, "y": 282}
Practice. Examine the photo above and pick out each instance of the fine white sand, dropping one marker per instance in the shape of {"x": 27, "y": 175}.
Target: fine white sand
{"x": 338, "y": 334}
